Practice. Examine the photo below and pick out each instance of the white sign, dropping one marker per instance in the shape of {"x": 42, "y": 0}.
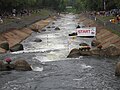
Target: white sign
{"x": 88, "y": 31}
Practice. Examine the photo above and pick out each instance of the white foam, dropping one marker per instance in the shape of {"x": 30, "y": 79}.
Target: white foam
{"x": 37, "y": 68}
{"x": 84, "y": 66}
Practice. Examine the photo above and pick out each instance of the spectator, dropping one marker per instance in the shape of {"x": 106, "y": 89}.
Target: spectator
{"x": 14, "y": 12}
{"x": 118, "y": 19}
{"x": 1, "y": 20}
{"x": 112, "y": 20}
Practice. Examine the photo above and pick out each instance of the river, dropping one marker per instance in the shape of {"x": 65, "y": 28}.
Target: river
{"x": 52, "y": 70}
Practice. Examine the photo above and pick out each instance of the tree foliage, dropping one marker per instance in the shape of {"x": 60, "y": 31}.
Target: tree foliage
{"x": 7, "y": 5}
{"x": 59, "y": 5}
{"x": 96, "y": 4}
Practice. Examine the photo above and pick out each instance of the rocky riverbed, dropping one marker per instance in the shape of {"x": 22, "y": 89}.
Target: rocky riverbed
{"x": 52, "y": 70}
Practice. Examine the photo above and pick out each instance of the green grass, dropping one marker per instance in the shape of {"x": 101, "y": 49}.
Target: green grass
{"x": 42, "y": 13}
{"x": 115, "y": 32}
{"x": 105, "y": 18}
{"x": 7, "y": 20}
{"x": 71, "y": 10}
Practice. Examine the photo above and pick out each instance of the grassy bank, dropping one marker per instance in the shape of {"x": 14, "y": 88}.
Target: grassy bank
{"x": 112, "y": 27}
{"x": 40, "y": 13}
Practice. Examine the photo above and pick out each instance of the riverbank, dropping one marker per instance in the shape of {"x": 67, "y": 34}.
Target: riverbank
{"x": 15, "y": 36}
{"x": 104, "y": 36}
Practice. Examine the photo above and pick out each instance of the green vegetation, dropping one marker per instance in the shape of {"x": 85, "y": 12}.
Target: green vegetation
{"x": 105, "y": 19}
{"x": 59, "y": 5}
{"x": 42, "y": 13}
{"x": 8, "y": 5}
{"x": 95, "y": 5}
{"x": 114, "y": 31}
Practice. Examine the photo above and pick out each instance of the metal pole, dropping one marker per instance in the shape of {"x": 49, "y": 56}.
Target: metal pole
{"x": 104, "y": 3}
{"x": 47, "y": 39}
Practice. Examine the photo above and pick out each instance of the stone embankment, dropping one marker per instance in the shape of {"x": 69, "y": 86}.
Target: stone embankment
{"x": 14, "y": 36}
{"x": 104, "y": 36}
{"x": 106, "y": 43}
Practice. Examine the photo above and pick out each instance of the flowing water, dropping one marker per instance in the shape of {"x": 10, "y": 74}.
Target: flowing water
{"x": 52, "y": 70}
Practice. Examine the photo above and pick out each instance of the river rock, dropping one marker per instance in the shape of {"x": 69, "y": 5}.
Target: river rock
{"x": 4, "y": 45}
{"x": 117, "y": 69}
{"x": 2, "y": 51}
{"x": 99, "y": 47}
{"x": 95, "y": 43}
{"x": 73, "y": 34}
{"x": 112, "y": 50}
{"x": 53, "y": 22}
{"x": 37, "y": 40}
{"x": 17, "y": 47}
{"x": 53, "y": 27}
{"x": 57, "y": 28}
{"x": 43, "y": 30}
{"x": 85, "y": 53}
{"x": 1, "y": 66}
{"x": 83, "y": 44}
{"x": 22, "y": 65}
{"x": 96, "y": 52}
{"x": 35, "y": 30}
{"x": 5, "y": 66}
{"x": 74, "y": 53}
{"x": 8, "y": 67}
{"x": 48, "y": 27}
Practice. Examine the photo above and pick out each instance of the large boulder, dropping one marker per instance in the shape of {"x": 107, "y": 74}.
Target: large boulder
{"x": 117, "y": 69}
{"x": 5, "y": 66}
{"x": 112, "y": 50}
{"x": 86, "y": 53}
{"x": 4, "y": 45}
{"x": 1, "y": 66}
{"x": 8, "y": 67}
{"x": 17, "y": 47}
{"x": 22, "y": 65}
{"x": 74, "y": 53}
{"x": 96, "y": 52}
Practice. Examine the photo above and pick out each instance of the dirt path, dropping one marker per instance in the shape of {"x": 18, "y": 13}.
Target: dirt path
{"x": 103, "y": 35}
